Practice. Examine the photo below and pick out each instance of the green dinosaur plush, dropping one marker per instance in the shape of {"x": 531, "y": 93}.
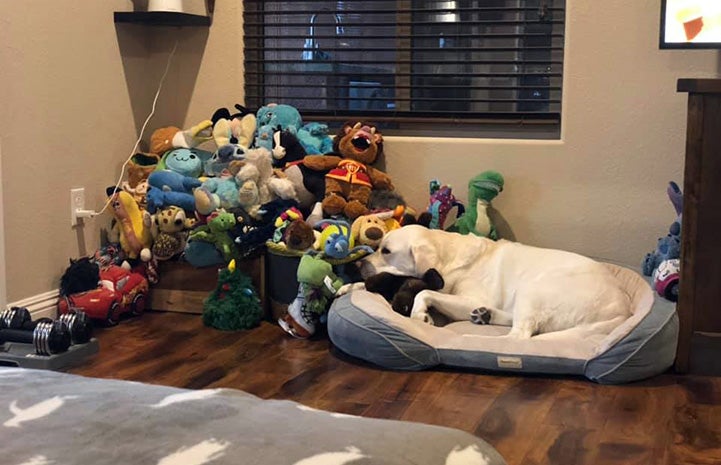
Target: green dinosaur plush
{"x": 216, "y": 232}
{"x": 482, "y": 189}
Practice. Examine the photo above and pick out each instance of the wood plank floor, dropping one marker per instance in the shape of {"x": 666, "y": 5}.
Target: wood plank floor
{"x": 671, "y": 419}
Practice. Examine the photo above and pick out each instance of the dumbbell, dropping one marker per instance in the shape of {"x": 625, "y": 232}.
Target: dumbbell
{"x": 79, "y": 325}
{"x": 14, "y": 318}
{"x": 48, "y": 337}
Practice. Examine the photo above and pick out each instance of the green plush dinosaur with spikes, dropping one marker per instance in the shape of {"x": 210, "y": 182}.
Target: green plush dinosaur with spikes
{"x": 482, "y": 189}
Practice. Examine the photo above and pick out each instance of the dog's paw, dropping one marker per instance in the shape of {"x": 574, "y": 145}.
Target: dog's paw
{"x": 481, "y": 316}
{"x": 346, "y": 288}
{"x": 422, "y": 316}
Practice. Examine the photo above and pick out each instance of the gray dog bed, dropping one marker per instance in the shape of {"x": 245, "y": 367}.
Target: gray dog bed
{"x": 363, "y": 325}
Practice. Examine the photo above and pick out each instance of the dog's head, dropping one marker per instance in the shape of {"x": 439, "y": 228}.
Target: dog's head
{"x": 407, "y": 251}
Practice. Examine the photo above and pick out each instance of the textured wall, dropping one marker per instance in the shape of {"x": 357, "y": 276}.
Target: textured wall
{"x": 75, "y": 90}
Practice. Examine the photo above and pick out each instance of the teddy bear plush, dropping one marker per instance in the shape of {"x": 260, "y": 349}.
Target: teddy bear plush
{"x": 350, "y": 178}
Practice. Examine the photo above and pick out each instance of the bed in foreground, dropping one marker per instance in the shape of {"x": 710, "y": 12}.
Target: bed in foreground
{"x": 52, "y": 418}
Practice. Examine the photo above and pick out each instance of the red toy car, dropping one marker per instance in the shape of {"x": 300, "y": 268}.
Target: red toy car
{"x": 120, "y": 291}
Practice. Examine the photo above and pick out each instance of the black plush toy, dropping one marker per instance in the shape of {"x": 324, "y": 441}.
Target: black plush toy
{"x": 82, "y": 275}
{"x": 401, "y": 290}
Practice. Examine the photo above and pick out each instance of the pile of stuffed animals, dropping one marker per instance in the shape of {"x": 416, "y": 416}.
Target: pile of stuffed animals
{"x": 244, "y": 181}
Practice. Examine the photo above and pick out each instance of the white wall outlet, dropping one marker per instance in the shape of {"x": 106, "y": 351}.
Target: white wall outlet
{"x": 77, "y": 202}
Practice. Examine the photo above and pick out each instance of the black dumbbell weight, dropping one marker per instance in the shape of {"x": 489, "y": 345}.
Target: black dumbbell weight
{"x": 80, "y": 326}
{"x": 47, "y": 337}
{"x": 14, "y": 318}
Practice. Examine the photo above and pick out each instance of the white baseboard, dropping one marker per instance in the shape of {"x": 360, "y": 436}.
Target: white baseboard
{"x": 43, "y": 305}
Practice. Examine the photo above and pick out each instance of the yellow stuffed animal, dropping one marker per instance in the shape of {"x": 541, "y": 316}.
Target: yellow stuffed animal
{"x": 133, "y": 225}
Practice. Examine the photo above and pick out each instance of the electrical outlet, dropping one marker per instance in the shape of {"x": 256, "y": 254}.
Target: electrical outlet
{"x": 77, "y": 202}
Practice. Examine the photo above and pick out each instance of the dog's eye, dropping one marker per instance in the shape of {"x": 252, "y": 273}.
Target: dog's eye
{"x": 385, "y": 250}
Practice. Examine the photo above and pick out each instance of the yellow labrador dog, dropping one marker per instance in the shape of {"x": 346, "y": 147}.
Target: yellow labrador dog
{"x": 531, "y": 289}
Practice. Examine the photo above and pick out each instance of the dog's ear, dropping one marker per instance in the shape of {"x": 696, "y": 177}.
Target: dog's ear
{"x": 424, "y": 256}
{"x": 433, "y": 279}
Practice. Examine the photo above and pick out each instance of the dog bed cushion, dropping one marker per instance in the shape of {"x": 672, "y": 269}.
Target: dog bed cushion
{"x": 363, "y": 325}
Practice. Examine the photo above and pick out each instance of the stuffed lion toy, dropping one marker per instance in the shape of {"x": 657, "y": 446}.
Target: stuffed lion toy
{"x": 350, "y": 178}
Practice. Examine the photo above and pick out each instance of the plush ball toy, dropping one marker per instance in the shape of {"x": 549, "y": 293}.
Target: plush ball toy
{"x": 482, "y": 189}
{"x": 350, "y": 178}
{"x": 400, "y": 291}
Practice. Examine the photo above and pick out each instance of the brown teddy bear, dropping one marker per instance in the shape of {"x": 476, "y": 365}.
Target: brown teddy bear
{"x": 350, "y": 178}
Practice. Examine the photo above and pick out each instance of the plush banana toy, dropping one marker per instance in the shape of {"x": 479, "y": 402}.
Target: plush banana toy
{"x": 133, "y": 225}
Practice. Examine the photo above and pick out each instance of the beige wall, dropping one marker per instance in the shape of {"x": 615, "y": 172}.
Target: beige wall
{"x": 75, "y": 90}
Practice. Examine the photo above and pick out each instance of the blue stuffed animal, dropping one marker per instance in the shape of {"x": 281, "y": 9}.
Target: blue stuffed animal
{"x": 168, "y": 180}
{"x": 157, "y": 199}
{"x": 188, "y": 162}
{"x": 168, "y": 188}
{"x": 669, "y": 246}
{"x": 275, "y": 117}
{"x": 315, "y": 139}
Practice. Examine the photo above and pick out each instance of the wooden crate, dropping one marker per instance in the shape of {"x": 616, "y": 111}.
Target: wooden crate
{"x": 182, "y": 287}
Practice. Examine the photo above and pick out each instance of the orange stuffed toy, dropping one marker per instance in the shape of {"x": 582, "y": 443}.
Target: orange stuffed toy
{"x": 350, "y": 178}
